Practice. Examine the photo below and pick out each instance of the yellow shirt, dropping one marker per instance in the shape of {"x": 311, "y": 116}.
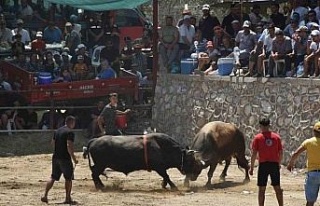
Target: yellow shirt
{"x": 312, "y": 146}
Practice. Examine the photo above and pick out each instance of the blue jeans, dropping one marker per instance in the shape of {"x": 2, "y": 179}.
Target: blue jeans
{"x": 311, "y": 186}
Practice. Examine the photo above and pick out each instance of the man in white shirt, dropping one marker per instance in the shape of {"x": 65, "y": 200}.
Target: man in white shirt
{"x": 187, "y": 34}
{"x": 25, "y": 37}
{"x": 296, "y": 7}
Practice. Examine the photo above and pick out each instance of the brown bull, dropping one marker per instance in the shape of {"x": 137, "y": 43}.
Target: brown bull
{"x": 215, "y": 142}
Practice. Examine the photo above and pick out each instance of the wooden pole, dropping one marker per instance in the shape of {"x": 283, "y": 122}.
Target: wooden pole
{"x": 155, "y": 65}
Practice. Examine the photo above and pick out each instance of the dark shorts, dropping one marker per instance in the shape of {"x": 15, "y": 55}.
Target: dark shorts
{"x": 61, "y": 166}
{"x": 266, "y": 169}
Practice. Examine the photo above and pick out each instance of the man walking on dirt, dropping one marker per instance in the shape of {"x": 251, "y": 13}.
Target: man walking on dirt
{"x": 268, "y": 146}
{"x": 312, "y": 182}
{"x": 61, "y": 160}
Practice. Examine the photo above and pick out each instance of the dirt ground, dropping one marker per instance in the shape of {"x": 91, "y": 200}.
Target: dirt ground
{"x": 23, "y": 178}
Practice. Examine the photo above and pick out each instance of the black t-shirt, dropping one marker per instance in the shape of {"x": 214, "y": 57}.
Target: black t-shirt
{"x": 206, "y": 26}
{"x": 60, "y": 147}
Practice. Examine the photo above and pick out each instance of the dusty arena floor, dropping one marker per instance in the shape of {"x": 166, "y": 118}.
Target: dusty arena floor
{"x": 22, "y": 181}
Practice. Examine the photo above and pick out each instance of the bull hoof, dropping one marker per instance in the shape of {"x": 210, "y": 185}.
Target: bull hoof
{"x": 222, "y": 178}
{"x": 208, "y": 185}
{"x": 186, "y": 184}
{"x": 174, "y": 188}
{"x": 164, "y": 184}
{"x": 247, "y": 180}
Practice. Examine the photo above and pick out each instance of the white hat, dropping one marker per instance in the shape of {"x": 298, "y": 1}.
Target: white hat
{"x": 206, "y": 7}
{"x": 315, "y": 33}
{"x": 246, "y": 23}
{"x": 39, "y": 34}
{"x": 80, "y": 46}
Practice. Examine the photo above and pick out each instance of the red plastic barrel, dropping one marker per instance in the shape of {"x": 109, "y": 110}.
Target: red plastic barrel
{"x": 121, "y": 121}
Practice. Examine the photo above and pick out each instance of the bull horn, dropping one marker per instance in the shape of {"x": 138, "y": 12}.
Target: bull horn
{"x": 192, "y": 151}
{"x": 203, "y": 163}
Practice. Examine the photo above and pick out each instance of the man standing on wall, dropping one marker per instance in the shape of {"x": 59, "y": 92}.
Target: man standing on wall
{"x": 61, "y": 160}
{"x": 312, "y": 183}
{"x": 269, "y": 147}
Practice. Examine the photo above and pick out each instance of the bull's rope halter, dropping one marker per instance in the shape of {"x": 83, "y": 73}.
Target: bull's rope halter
{"x": 145, "y": 150}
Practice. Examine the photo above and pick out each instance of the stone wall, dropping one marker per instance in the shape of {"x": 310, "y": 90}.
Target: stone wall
{"x": 184, "y": 103}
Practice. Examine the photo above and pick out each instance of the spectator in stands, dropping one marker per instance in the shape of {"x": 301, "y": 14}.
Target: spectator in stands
{"x": 184, "y": 13}
{"x": 95, "y": 31}
{"x": 6, "y": 35}
{"x": 219, "y": 33}
{"x": 277, "y": 18}
{"x": 82, "y": 50}
{"x": 47, "y": 122}
{"x": 311, "y": 17}
{"x": 106, "y": 72}
{"x": 187, "y": 35}
{"x": 134, "y": 71}
{"x": 48, "y": 63}
{"x": 66, "y": 64}
{"x": 64, "y": 76}
{"x": 18, "y": 46}
{"x": 316, "y": 7}
{"x": 281, "y": 48}
{"x": 266, "y": 49}
{"x": 235, "y": 14}
{"x": 236, "y": 26}
{"x": 72, "y": 38}
{"x": 80, "y": 68}
{"x": 25, "y": 11}
{"x": 207, "y": 23}
{"x": 95, "y": 112}
{"x": 313, "y": 56}
{"x": 297, "y": 7}
{"x": 4, "y": 85}
{"x": 52, "y": 34}
{"x": 139, "y": 58}
{"x": 26, "y": 118}
{"x": 21, "y": 61}
{"x": 25, "y": 37}
{"x": 246, "y": 41}
{"x": 115, "y": 38}
{"x": 300, "y": 42}
{"x": 254, "y": 15}
{"x": 168, "y": 43}
{"x": 127, "y": 53}
{"x": 34, "y": 64}
{"x": 292, "y": 27}
{"x": 38, "y": 45}
{"x": 57, "y": 59}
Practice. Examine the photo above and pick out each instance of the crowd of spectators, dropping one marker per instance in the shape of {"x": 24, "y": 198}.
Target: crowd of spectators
{"x": 274, "y": 44}
{"x": 52, "y": 41}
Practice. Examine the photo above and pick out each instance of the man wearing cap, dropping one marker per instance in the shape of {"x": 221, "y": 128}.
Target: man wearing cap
{"x": 184, "y": 13}
{"x": 300, "y": 42}
{"x": 314, "y": 53}
{"x": 254, "y": 15}
{"x": 52, "y": 34}
{"x": 187, "y": 34}
{"x": 312, "y": 182}
{"x": 107, "y": 118}
{"x": 72, "y": 38}
{"x": 38, "y": 45}
{"x": 168, "y": 46}
{"x": 139, "y": 58}
{"x": 267, "y": 147}
{"x": 25, "y": 37}
{"x": 207, "y": 23}
{"x": 246, "y": 41}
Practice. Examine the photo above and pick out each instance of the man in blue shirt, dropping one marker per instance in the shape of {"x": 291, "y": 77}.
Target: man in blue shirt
{"x": 106, "y": 71}
{"x": 52, "y": 34}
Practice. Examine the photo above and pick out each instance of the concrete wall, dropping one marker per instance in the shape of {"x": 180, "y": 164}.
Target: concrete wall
{"x": 184, "y": 103}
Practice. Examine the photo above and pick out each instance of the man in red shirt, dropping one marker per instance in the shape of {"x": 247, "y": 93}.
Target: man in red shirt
{"x": 268, "y": 147}
{"x": 38, "y": 45}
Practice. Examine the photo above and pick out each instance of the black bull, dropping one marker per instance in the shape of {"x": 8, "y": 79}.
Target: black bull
{"x": 126, "y": 154}
{"x": 215, "y": 142}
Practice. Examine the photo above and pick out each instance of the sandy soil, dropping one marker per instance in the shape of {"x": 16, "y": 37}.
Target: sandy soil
{"x": 22, "y": 182}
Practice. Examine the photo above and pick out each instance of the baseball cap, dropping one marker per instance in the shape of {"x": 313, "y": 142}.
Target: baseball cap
{"x": 206, "y": 7}
{"x": 264, "y": 121}
{"x": 186, "y": 12}
{"x": 79, "y": 57}
{"x": 246, "y": 24}
{"x": 19, "y": 21}
{"x": 302, "y": 28}
{"x": 315, "y": 33}
{"x": 39, "y": 34}
{"x": 68, "y": 24}
{"x": 80, "y": 46}
{"x": 316, "y": 127}
{"x": 64, "y": 54}
{"x": 235, "y": 22}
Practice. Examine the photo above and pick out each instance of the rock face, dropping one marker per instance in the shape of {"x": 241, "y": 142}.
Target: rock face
{"x": 183, "y": 104}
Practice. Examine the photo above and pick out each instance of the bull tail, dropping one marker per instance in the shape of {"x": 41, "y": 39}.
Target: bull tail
{"x": 86, "y": 152}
